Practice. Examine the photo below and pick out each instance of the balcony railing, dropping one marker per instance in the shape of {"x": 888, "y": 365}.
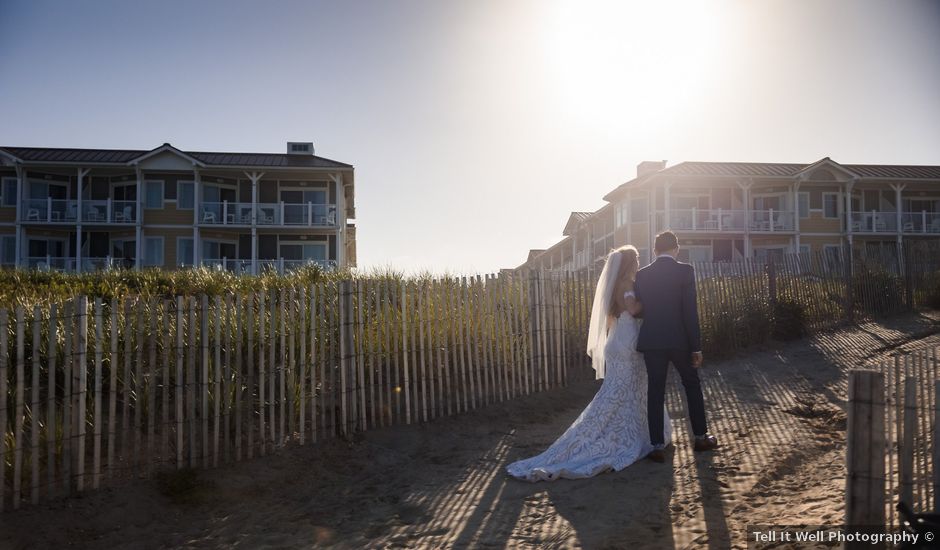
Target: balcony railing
{"x": 770, "y": 221}
{"x": 66, "y": 211}
{"x": 273, "y": 213}
{"x": 279, "y": 265}
{"x": 920, "y": 222}
{"x": 56, "y": 263}
{"x": 874, "y": 222}
{"x": 707, "y": 220}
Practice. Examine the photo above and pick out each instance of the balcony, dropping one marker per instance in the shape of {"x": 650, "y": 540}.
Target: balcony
{"x": 275, "y": 213}
{"x": 66, "y": 211}
{"x": 771, "y": 221}
{"x": 920, "y": 222}
{"x": 709, "y": 221}
{"x": 874, "y": 222}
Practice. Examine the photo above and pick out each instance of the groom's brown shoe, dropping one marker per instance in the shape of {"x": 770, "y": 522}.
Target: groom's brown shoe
{"x": 705, "y": 443}
{"x": 657, "y": 455}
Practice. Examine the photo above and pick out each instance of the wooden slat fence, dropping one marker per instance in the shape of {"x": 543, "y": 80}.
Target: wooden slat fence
{"x": 893, "y": 417}
{"x": 93, "y": 391}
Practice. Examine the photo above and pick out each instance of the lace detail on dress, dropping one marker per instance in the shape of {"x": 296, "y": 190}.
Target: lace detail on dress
{"x": 612, "y": 432}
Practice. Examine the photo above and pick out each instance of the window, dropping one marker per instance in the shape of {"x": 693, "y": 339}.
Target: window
{"x": 769, "y": 202}
{"x": 184, "y": 251}
{"x": 124, "y": 251}
{"x": 803, "y": 204}
{"x": 40, "y": 248}
{"x": 153, "y": 250}
{"x": 831, "y": 206}
{"x": 9, "y": 192}
{"x": 644, "y": 256}
{"x": 154, "y": 194}
{"x": 125, "y": 192}
{"x": 695, "y": 253}
{"x": 218, "y": 250}
{"x": 767, "y": 253}
{"x": 303, "y": 196}
{"x": 8, "y": 252}
{"x": 184, "y": 195}
{"x": 639, "y": 210}
{"x": 303, "y": 251}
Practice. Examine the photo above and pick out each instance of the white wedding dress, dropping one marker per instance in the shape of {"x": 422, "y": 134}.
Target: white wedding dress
{"x": 612, "y": 431}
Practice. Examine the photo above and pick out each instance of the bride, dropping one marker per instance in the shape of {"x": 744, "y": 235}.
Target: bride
{"x": 612, "y": 431}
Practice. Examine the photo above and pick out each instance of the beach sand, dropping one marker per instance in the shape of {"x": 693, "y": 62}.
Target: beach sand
{"x": 777, "y": 411}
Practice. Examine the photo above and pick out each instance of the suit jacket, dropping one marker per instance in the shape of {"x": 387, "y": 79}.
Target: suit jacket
{"x": 666, "y": 288}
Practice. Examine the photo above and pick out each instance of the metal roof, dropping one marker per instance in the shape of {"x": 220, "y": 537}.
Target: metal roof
{"x": 763, "y": 169}
{"x": 125, "y": 156}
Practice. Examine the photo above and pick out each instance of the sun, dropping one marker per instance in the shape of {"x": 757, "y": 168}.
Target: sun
{"x": 630, "y": 63}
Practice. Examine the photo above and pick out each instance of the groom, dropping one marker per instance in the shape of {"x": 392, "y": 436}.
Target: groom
{"x": 670, "y": 334}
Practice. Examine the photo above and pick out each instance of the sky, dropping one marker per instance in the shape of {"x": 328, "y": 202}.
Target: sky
{"x": 476, "y": 126}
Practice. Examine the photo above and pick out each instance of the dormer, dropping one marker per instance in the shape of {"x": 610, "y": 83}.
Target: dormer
{"x": 300, "y": 148}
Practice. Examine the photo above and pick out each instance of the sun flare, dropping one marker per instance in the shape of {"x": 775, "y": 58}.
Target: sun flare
{"x": 638, "y": 63}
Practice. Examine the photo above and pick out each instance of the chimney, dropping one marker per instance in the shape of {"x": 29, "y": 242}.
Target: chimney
{"x": 299, "y": 147}
{"x": 649, "y": 166}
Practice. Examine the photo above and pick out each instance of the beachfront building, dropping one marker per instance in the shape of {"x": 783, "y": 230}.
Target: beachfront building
{"x": 724, "y": 211}
{"x": 88, "y": 209}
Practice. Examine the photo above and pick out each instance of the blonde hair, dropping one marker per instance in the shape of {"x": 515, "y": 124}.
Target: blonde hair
{"x": 630, "y": 262}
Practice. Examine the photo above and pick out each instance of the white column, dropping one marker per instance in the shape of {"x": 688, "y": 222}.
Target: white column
{"x": 898, "y": 216}
{"x": 848, "y": 214}
{"x": 796, "y": 215}
{"x": 746, "y": 190}
{"x": 138, "y": 222}
{"x": 20, "y": 184}
{"x": 255, "y": 177}
{"x": 667, "y": 218}
{"x": 197, "y": 179}
{"x": 341, "y": 218}
{"x": 78, "y": 228}
{"x": 626, "y": 217}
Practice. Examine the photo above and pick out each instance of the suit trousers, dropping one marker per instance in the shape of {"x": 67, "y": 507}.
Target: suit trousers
{"x": 657, "y": 365}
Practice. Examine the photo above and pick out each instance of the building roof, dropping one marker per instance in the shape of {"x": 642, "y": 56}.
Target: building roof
{"x": 128, "y": 156}
{"x": 534, "y": 252}
{"x": 574, "y": 220}
{"x": 779, "y": 169}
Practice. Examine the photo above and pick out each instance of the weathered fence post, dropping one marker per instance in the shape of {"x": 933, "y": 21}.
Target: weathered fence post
{"x": 847, "y": 275}
{"x": 865, "y": 480}
{"x": 771, "y": 280}
{"x": 906, "y": 460}
{"x": 4, "y": 366}
{"x": 936, "y": 444}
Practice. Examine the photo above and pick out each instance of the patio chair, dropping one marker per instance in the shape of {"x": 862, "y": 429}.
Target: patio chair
{"x": 32, "y": 214}
{"x": 123, "y": 215}
{"x": 908, "y": 226}
{"x": 208, "y": 216}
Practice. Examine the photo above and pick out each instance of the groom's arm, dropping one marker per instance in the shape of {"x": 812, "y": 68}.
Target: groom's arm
{"x": 690, "y": 311}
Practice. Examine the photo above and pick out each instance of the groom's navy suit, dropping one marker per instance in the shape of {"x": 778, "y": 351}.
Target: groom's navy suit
{"x": 669, "y": 333}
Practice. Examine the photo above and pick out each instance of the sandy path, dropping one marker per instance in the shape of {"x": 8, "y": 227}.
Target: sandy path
{"x": 777, "y": 412}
